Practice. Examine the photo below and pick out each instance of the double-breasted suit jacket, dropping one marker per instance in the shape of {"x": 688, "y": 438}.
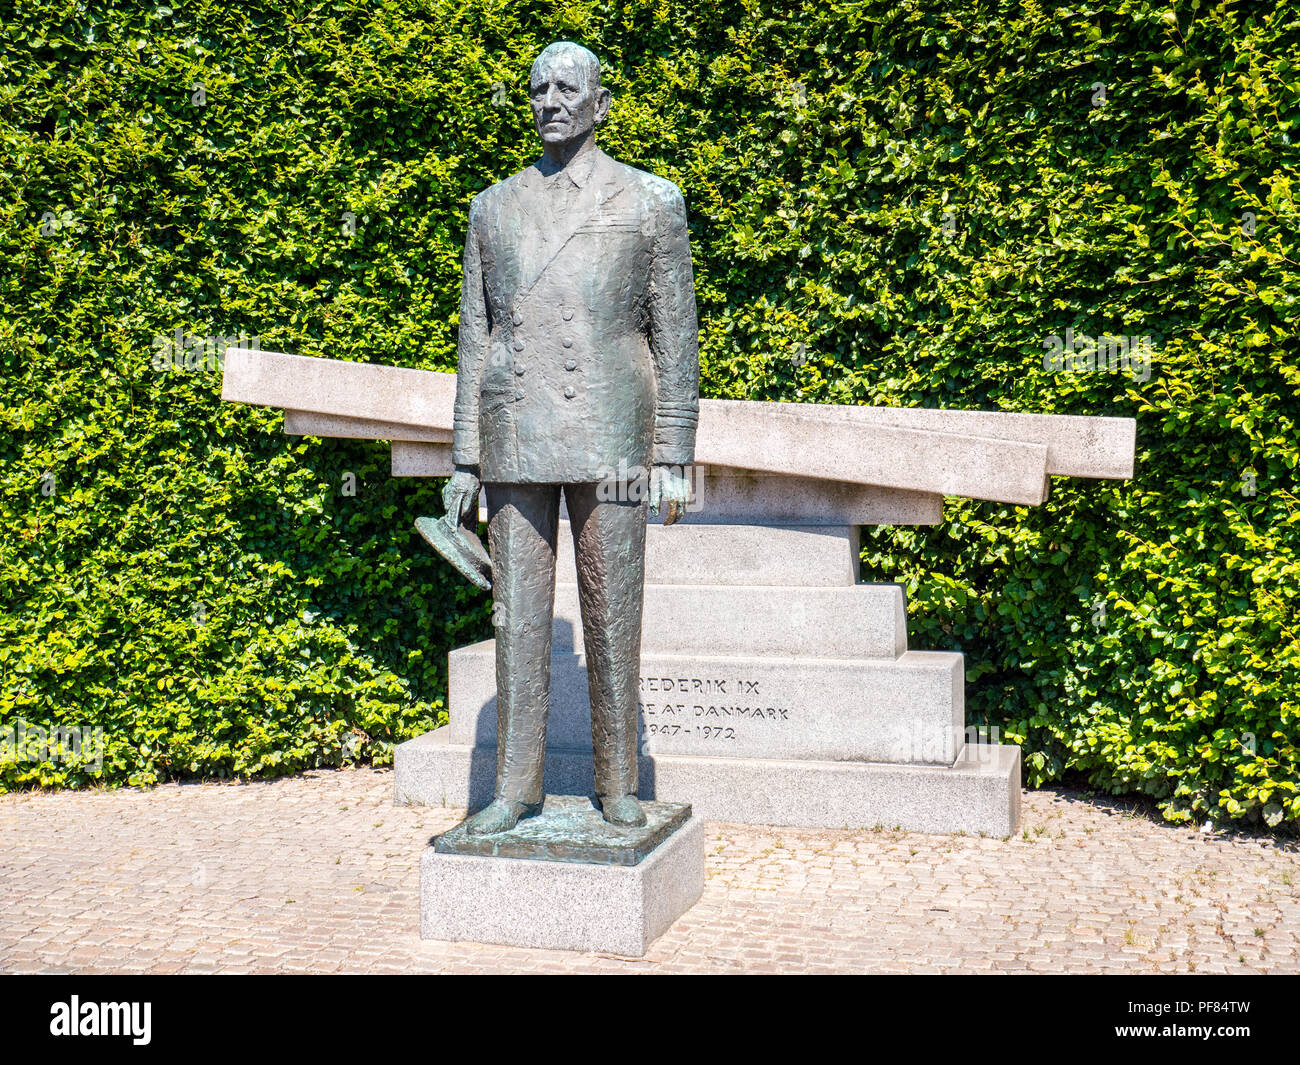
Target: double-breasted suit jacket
{"x": 578, "y": 364}
{"x": 578, "y": 351}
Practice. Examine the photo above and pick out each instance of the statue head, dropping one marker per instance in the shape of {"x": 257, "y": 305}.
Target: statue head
{"x": 568, "y": 102}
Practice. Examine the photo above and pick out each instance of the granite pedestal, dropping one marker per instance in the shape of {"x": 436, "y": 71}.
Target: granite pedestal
{"x": 565, "y": 880}
{"x": 775, "y": 688}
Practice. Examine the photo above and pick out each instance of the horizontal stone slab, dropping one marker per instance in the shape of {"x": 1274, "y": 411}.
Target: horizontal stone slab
{"x": 909, "y": 710}
{"x": 1077, "y": 445}
{"x": 979, "y": 794}
{"x": 335, "y": 386}
{"x": 745, "y": 435}
{"x": 751, "y": 497}
{"x": 731, "y": 433}
{"x": 614, "y": 909}
{"x": 412, "y": 459}
{"x": 727, "y": 496}
{"x": 862, "y": 621}
{"x": 794, "y": 450}
{"x": 756, "y": 555}
{"x": 308, "y": 423}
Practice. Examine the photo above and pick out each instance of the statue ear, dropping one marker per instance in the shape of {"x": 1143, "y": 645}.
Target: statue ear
{"x": 602, "y": 106}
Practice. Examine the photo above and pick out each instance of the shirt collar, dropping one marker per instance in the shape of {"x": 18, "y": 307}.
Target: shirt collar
{"x": 579, "y": 172}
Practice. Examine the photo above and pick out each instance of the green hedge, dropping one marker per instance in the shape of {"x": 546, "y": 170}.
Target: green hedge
{"x": 891, "y": 203}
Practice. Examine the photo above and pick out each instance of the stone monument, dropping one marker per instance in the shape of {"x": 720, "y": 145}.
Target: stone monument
{"x": 772, "y": 686}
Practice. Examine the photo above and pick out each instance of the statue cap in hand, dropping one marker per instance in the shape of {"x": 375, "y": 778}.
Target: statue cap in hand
{"x": 455, "y": 535}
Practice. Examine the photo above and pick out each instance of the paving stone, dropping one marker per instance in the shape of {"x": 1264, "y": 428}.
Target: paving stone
{"x": 103, "y": 881}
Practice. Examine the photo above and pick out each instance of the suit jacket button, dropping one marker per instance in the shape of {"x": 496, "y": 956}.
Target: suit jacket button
{"x": 519, "y": 345}
{"x": 570, "y": 392}
{"x": 568, "y": 342}
{"x": 568, "y": 316}
{"x": 517, "y": 319}
{"x": 519, "y": 371}
{"x": 570, "y": 365}
{"x": 519, "y": 395}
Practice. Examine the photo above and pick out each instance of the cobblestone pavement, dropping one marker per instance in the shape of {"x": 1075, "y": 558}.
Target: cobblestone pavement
{"x": 319, "y": 873}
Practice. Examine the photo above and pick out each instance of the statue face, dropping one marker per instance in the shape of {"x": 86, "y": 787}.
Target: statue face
{"x": 565, "y": 108}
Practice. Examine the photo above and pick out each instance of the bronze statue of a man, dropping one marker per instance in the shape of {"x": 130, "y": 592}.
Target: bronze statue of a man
{"x": 578, "y": 362}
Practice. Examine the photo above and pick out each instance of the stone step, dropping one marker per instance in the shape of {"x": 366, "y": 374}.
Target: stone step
{"x": 910, "y": 710}
{"x": 858, "y": 621}
{"x": 807, "y": 556}
{"x": 979, "y": 794}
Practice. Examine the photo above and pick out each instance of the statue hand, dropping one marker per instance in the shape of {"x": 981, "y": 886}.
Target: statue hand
{"x": 460, "y": 497}
{"x": 670, "y": 485}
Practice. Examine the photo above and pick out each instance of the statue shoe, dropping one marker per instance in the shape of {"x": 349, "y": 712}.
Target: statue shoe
{"x": 501, "y": 815}
{"x": 624, "y": 811}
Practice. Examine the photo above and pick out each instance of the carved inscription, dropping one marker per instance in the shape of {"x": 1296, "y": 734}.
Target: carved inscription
{"x": 721, "y": 709}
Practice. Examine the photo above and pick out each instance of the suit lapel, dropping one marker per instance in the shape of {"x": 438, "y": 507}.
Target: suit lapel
{"x": 531, "y": 244}
{"x": 599, "y": 190}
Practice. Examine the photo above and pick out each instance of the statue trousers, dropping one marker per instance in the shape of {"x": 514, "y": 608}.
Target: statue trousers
{"x": 609, "y": 544}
